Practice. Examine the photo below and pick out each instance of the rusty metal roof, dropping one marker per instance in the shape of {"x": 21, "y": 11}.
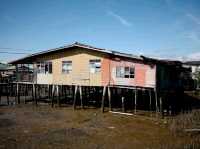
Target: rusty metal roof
{"x": 110, "y": 52}
{"x": 80, "y": 45}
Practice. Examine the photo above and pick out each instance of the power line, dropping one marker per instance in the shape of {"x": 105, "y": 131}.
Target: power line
{"x": 5, "y": 52}
{"x": 14, "y": 49}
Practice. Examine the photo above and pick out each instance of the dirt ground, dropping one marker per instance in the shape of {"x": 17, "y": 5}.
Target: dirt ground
{"x": 26, "y": 126}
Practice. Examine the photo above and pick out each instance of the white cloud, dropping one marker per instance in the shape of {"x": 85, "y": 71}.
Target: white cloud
{"x": 122, "y": 20}
{"x": 193, "y": 18}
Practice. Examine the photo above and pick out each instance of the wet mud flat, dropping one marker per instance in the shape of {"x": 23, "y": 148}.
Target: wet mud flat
{"x": 26, "y": 126}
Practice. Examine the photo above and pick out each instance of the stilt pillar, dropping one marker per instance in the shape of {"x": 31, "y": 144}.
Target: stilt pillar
{"x": 135, "y": 109}
{"x": 103, "y": 99}
{"x": 109, "y": 99}
{"x": 75, "y": 97}
{"x": 81, "y": 96}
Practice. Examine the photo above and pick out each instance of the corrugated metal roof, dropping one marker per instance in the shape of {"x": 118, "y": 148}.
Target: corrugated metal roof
{"x": 80, "y": 45}
{"x": 113, "y": 53}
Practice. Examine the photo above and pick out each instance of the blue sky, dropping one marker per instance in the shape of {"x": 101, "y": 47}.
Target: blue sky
{"x": 158, "y": 28}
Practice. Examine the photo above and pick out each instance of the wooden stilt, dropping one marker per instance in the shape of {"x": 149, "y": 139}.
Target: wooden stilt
{"x": 18, "y": 93}
{"x": 48, "y": 88}
{"x": 135, "y": 101}
{"x": 109, "y": 99}
{"x": 52, "y": 98}
{"x": 35, "y": 93}
{"x": 25, "y": 92}
{"x": 8, "y": 91}
{"x": 123, "y": 107}
{"x": 75, "y": 95}
{"x": 150, "y": 102}
{"x": 156, "y": 100}
{"x": 1, "y": 92}
{"x": 161, "y": 106}
{"x": 58, "y": 94}
{"x": 103, "y": 99}
{"x": 32, "y": 87}
{"x": 81, "y": 97}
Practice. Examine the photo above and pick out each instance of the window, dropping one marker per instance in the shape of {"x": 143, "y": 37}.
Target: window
{"x": 125, "y": 72}
{"x": 95, "y": 66}
{"x": 66, "y": 67}
{"x": 132, "y": 72}
{"x": 44, "y": 67}
{"x": 120, "y": 72}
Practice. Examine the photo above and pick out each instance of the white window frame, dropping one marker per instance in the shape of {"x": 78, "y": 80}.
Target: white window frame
{"x": 68, "y": 65}
{"x": 44, "y": 67}
{"x": 125, "y": 72}
{"x": 95, "y": 65}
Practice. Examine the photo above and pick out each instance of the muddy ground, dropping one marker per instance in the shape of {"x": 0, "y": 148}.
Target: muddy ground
{"x": 26, "y": 126}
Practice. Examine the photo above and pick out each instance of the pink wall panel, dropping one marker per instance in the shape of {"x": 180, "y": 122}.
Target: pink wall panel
{"x": 144, "y": 73}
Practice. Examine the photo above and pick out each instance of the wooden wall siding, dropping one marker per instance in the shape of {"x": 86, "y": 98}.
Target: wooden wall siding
{"x": 144, "y": 74}
{"x": 44, "y": 79}
{"x": 80, "y": 67}
{"x": 105, "y": 73}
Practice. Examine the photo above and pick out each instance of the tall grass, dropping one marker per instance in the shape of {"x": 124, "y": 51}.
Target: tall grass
{"x": 182, "y": 122}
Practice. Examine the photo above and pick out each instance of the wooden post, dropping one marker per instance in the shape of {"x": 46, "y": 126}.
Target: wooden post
{"x": 150, "y": 100}
{"x": 156, "y": 100}
{"x": 48, "y": 89}
{"x": 25, "y": 93}
{"x": 38, "y": 90}
{"x": 75, "y": 94}
{"x": 123, "y": 107}
{"x": 52, "y": 98}
{"x": 58, "y": 94}
{"x": 109, "y": 99}
{"x": 103, "y": 99}
{"x": 161, "y": 107}
{"x": 35, "y": 93}
{"x": 18, "y": 93}
{"x": 81, "y": 97}
{"x": 8, "y": 91}
{"x": 0, "y": 92}
{"x": 135, "y": 101}
{"x": 32, "y": 92}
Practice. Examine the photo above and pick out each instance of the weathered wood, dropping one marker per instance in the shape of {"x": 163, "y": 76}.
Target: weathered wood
{"x": 18, "y": 93}
{"x": 122, "y": 113}
{"x": 109, "y": 99}
{"x": 0, "y": 92}
{"x": 25, "y": 93}
{"x": 32, "y": 87}
{"x": 161, "y": 107}
{"x": 103, "y": 98}
{"x": 48, "y": 91}
{"x": 58, "y": 94}
{"x": 192, "y": 130}
{"x": 8, "y": 91}
{"x": 135, "y": 109}
{"x": 35, "y": 93}
{"x": 156, "y": 101}
{"x": 75, "y": 97}
{"x": 150, "y": 103}
{"x": 52, "y": 98}
{"x": 81, "y": 97}
{"x": 123, "y": 106}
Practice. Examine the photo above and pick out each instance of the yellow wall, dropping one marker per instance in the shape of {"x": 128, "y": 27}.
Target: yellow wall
{"x": 80, "y": 67}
